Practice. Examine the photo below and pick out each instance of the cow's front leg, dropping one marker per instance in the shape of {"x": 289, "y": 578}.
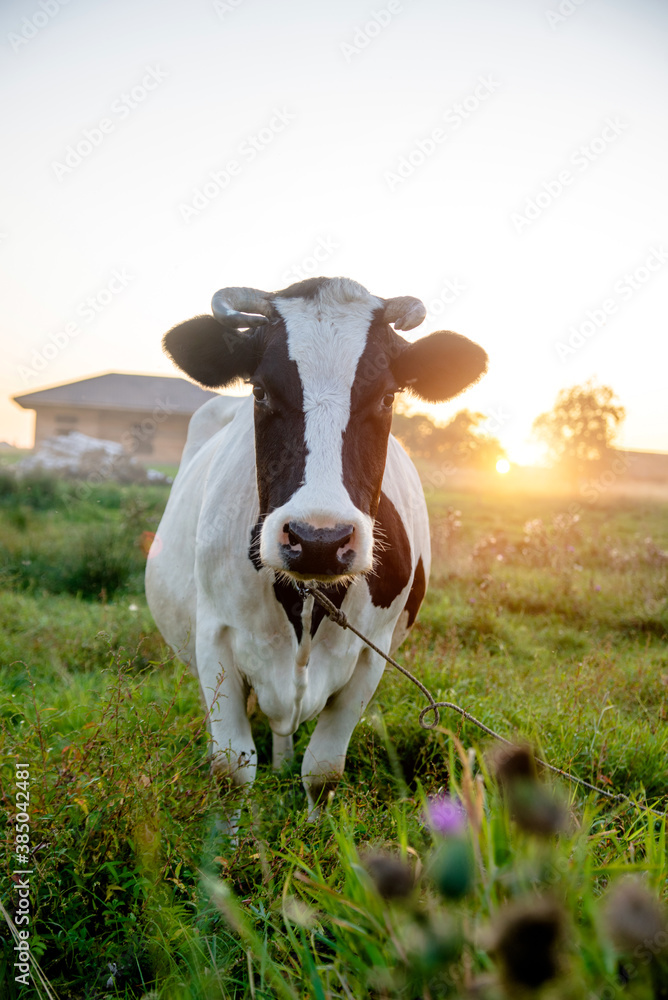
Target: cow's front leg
{"x": 282, "y": 750}
{"x": 325, "y": 755}
{"x": 232, "y": 750}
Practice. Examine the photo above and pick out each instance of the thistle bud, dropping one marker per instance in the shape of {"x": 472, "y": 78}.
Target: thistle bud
{"x": 452, "y": 868}
{"x": 527, "y": 939}
{"x": 635, "y": 918}
{"x": 392, "y": 877}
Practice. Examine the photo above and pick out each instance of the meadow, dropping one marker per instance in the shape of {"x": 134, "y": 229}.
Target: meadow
{"x": 441, "y": 869}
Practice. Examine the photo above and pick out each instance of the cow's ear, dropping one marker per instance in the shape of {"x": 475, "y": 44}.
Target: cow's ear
{"x": 439, "y": 366}
{"x": 211, "y": 354}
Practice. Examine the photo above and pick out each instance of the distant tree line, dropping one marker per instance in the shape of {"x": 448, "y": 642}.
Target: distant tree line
{"x": 462, "y": 441}
{"x": 578, "y": 431}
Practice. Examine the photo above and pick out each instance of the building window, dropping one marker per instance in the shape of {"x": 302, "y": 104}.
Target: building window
{"x": 143, "y": 435}
{"x": 65, "y": 422}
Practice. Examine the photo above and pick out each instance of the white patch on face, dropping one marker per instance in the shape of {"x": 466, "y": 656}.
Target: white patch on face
{"x": 326, "y": 338}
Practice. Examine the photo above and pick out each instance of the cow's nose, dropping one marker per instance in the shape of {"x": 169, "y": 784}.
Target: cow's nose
{"x": 318, "y": 551}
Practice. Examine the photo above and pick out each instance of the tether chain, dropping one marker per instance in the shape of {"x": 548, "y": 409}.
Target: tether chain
{"x": 338, "y": 616}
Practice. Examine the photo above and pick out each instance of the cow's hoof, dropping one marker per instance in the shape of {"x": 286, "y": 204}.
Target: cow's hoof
{"x": 320, "y": 792}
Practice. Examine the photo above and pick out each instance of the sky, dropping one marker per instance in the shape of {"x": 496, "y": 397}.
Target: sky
{"x": 503, "y": 161}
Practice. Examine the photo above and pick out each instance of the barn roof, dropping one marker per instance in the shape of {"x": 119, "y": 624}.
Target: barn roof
{"x": 120, "y": 391}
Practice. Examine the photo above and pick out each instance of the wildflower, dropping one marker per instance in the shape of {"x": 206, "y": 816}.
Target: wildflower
{"x": 527, "y": 936}
{"x": 635, "y": 918}
{"x": 451, "y": 865}
{"x": 446, "y": 815}
{"x": 392, "y": 877}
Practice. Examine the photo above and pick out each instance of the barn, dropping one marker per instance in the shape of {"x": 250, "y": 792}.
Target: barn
{"x": 147, "y": 414}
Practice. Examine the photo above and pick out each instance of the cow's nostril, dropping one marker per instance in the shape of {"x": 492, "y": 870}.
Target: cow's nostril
{"x": 292, "y": 538}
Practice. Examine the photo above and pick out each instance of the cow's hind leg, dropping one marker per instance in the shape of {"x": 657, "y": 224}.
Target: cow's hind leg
{"x": 325, "y": 755}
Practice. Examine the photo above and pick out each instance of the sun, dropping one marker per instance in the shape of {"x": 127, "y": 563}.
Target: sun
{"x": 503, "y": 466}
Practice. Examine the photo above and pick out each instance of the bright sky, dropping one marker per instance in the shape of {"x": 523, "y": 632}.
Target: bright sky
{"x": 505, "y": 162}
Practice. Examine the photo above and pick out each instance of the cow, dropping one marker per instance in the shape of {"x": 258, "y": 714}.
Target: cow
{"x": 298, "y": 483}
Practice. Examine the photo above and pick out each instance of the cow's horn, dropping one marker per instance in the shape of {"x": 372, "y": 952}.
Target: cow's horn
{"x": 241, "y": 307}
{"x": 404, "y": 311}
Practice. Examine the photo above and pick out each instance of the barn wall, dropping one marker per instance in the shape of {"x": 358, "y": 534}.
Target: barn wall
{"x": 151, "y": 437}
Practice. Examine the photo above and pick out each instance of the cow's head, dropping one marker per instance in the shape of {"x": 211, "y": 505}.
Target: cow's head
{"x": 325, "y": 364}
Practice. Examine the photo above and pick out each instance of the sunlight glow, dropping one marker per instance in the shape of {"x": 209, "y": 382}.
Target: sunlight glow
{"x": 503, "y": 466}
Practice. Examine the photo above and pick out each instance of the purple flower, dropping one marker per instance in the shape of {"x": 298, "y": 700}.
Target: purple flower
{"x": 446, "y": 815}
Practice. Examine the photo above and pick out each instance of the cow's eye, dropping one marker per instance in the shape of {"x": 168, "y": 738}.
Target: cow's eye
{"x": 259, "y": 394}
{"x": 388, "y": 399}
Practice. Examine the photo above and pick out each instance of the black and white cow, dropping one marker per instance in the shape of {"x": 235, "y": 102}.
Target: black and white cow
{"x": 301, "y": 481}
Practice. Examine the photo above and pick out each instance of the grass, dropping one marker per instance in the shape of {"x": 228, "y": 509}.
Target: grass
{"x": 559, "y": 642}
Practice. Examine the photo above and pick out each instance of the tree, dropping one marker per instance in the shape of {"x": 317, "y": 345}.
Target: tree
{"x": 460, "y": 442}
{"x": 415, "y": 431}
{"x": 580, "y": 428}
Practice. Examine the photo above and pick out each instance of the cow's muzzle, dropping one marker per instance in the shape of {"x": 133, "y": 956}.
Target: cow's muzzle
{"x": 314, "y": 553}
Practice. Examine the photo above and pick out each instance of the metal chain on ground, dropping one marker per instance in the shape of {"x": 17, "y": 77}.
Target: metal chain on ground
{"x": 339, "y": 617}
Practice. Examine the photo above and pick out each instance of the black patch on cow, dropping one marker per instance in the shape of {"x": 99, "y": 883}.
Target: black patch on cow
{"x": 366, "y": 436}
{"x": 392, "y": 563}
{"x": 289, "y": 597}
{"x": 336, "y": 595}
{"x": 254, "y": 547}
{"x": 417, "y": 592}
{"x": 293, "y": 604}
{"x": 280, "y": 426}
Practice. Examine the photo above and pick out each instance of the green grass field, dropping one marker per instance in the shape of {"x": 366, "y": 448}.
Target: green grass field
{"x": 550, "y": 630}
